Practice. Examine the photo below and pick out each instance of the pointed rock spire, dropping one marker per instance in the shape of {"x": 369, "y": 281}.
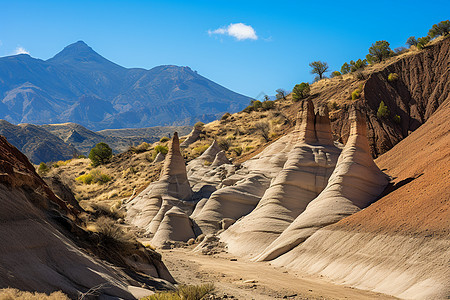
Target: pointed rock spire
{"x": 192, "y": 137}
{"x": 174, "y": 163}
{"x": 210, "y": 153}
{"x": 220, "y": 159}
{"x": 323, "y": 127}
{"x": 305, "y": 122}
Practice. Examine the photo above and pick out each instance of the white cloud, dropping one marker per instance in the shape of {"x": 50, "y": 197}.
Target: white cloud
{"x": 20, "y": 50}
{"x": 240, "y": 31}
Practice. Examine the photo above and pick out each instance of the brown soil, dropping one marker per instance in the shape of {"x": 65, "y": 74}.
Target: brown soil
{"x": 418, "y": 201}
{"x": 242, "y": 279}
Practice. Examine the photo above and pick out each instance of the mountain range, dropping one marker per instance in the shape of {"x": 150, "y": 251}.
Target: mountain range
{"x": 79, "y": 85}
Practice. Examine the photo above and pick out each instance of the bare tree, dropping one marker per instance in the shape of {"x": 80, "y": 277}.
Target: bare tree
{"x": 319, "y": 68}
{"x": 281, "y": 94}
{"x": 263, "y": 128}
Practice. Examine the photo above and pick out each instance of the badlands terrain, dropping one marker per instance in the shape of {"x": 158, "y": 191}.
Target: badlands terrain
{"x": 301, "y": 211}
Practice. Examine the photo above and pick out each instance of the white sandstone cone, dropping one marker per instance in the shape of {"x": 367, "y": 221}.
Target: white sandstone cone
{"x": 355, "y": 183}
{"x": 304, "y": 175}
{"x": 147, "y": 209}
{"x": 175, "y": 226}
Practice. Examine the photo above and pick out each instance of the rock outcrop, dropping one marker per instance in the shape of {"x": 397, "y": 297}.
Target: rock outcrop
{"x": 355, "y": 183}
{"x": 37, "y": 252}
{"x": 400, "y": 244}
{"x": 176, "y": 226}
{"x": 192, "y": 137}
{"x": 148, "y": 209}
{"x": 304, "y": 175}
{"x": 159, "y": 157}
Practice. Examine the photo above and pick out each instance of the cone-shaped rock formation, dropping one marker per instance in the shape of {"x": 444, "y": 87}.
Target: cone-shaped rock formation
{"x": 159, "y": 157}
{"x": 355, "y": 183}
{"x": 304, "y": 175}
{"x": 191, "y": 138}
{"x": 148, "y": 208}
{"x": 175, "y": 226}
{"x": 220, "y": 159}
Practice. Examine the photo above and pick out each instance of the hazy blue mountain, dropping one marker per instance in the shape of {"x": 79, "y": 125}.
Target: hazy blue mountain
{"x": 79, "y": 85}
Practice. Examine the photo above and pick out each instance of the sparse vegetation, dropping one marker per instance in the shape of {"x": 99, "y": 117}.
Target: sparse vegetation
{"x": 441, "y": 28}
{"x": 263, "y": 128}
{"x": 141, "y": 148}
{"x": 81, "y": 156}
{"x": 268, "y": 104}
{"x": 335, "y": 74}
{"x": 345, "y": 69}
{"x": 378, "y": 52}
{"x": 100, "y": 154}
{"x": 185, "y": 292}
{"x": 332, "y": 105}
{"x": 225, "y": 143}
{"x": 225, "y": 116}
{"x": 110, "y": 236}
{"x": 161, "y": 149}
{"x": 43, "y": 168}
{"x": 95, "y": 176}
{"x": 319, "y": 68}
{"x": 200, "y": 149}
{"x": 393, "y": 77}
{"x": 356, "y": 94}
{"x": 422, "y": 42}
{"x": 300, "y": 91}
{"x": 383, "y": 111}
{"x": 281, "y": 94}
{"x": 199, "y": 125}
{"x": 164, "y": 139}
{"x": 411, "y": 41}
{"x": 396, "y": 119}
{"x": 11, "y": 294}
{"x": 237, "y": 150}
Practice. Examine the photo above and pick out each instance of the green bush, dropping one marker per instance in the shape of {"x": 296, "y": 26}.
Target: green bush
{"x": 257, "y": 104}
{"x": 164, "y": 139}
{"x": 411, "y": 41}
{"x": 237, "y": 150}
{"x": 441, "y": 28}
{"x": 95, "y": 176}
{"x": 268, "y": 104}
{"x": 200, "y": 149}
{"x": 345, "y": 68}
{"x": 300, "y": 91}
{"x": 378, "y": 52}
{"x": 199, "y": 125}
{"x": 422, "y": 42}
{"x": 383, "y": 111}
{"x": 161, "y": 149}
{"x": 335, "y": 74}
{"x": 356, "y": 94}
{"x": 141, "y": 148}
{"x": 43, "y": 168}
{"x": 100, "y": 154}
{"x": 81, "y": 156}
{"x": 393, "y": 77}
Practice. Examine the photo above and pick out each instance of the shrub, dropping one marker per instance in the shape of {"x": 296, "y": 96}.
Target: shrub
{"x": 441, "y": 28}
{"x": 100, "y": 154}
{"x": 358, "y": 65}
{"x": 110, "y": 235}
{"x": 281, "y": 94}
{"x": 161, "y": 149}
{"x": 396, "y": 119}
{"x": 422, "y": 42}
{"x": 345, "y": 68}
{"x": 248, "y": 109}
{"x": 356, "y": 94}
{"x": 225, "y": 144}
{"x": 393, "y": 77}
{"x": 300, "y": 91}
{"x": 257, "y": 104}
{"x": 360, "y": 75}
{"x": 400, "y": 50}
{"x": 43, "y": 168}
{"x": 200, "y": 149}
{"x": 248, "y": 148}
{"x": 268, "y": 104}
{"x": 225, "y": 116}
{"x": 383, "y": 111}
{"x": 164, "y": 139}
{"x": 335, "y": 74}
{"x": 237, "y": 150}
{"x": 411, "y": 41}
{"x": 61, "y": 163}
{"x": 263, "y": 128}
{"x": 186, "y": 292}
{"x": 141, "y": 148}
{"x": 379, "y": 51}
{"x": 95, "y": 176}
{"x": 199, "y": 125}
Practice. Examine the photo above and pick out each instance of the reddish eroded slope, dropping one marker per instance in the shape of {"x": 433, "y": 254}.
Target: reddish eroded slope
{"x": 419, "y": 200}
{"x": 16, "y": 171}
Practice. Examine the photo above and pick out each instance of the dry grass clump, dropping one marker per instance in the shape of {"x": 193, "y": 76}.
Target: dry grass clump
{"x": 110, "y": 235}
{"x": 13, "y": 294}
{"x": 185, "y": 292}
{"x": 94, "y": 176}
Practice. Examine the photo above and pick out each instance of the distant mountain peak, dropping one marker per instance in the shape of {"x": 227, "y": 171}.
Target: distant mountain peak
{"x": 79, "y": 52}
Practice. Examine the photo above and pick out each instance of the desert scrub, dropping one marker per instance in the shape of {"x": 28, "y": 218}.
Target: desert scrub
{"x": 141, "y": 148}
{"x": 356, "y": 94}
{"x": 200, "y": 149}
{"x": 225, "y": 116}
{"x": 332, "y": 105}
{"x": 61, "y": 163}
{"x": 94, "y": 176}
{"x": 110, "y": 235}
{"x": 393, "y": 77}
{"x": 396, "y": 119}
{"x": 185, "y": 292}
{"x": 10, "y": 294}
{"x": 237, "y": 151}
{"x": 161, "y": 149}
{"x": 43, "y": 168}
{"x": 383, "y": 111}
{"x": 164, "y": 139}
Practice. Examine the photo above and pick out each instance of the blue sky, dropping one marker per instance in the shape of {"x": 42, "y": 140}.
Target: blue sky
{"x": 286, "y": 35}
